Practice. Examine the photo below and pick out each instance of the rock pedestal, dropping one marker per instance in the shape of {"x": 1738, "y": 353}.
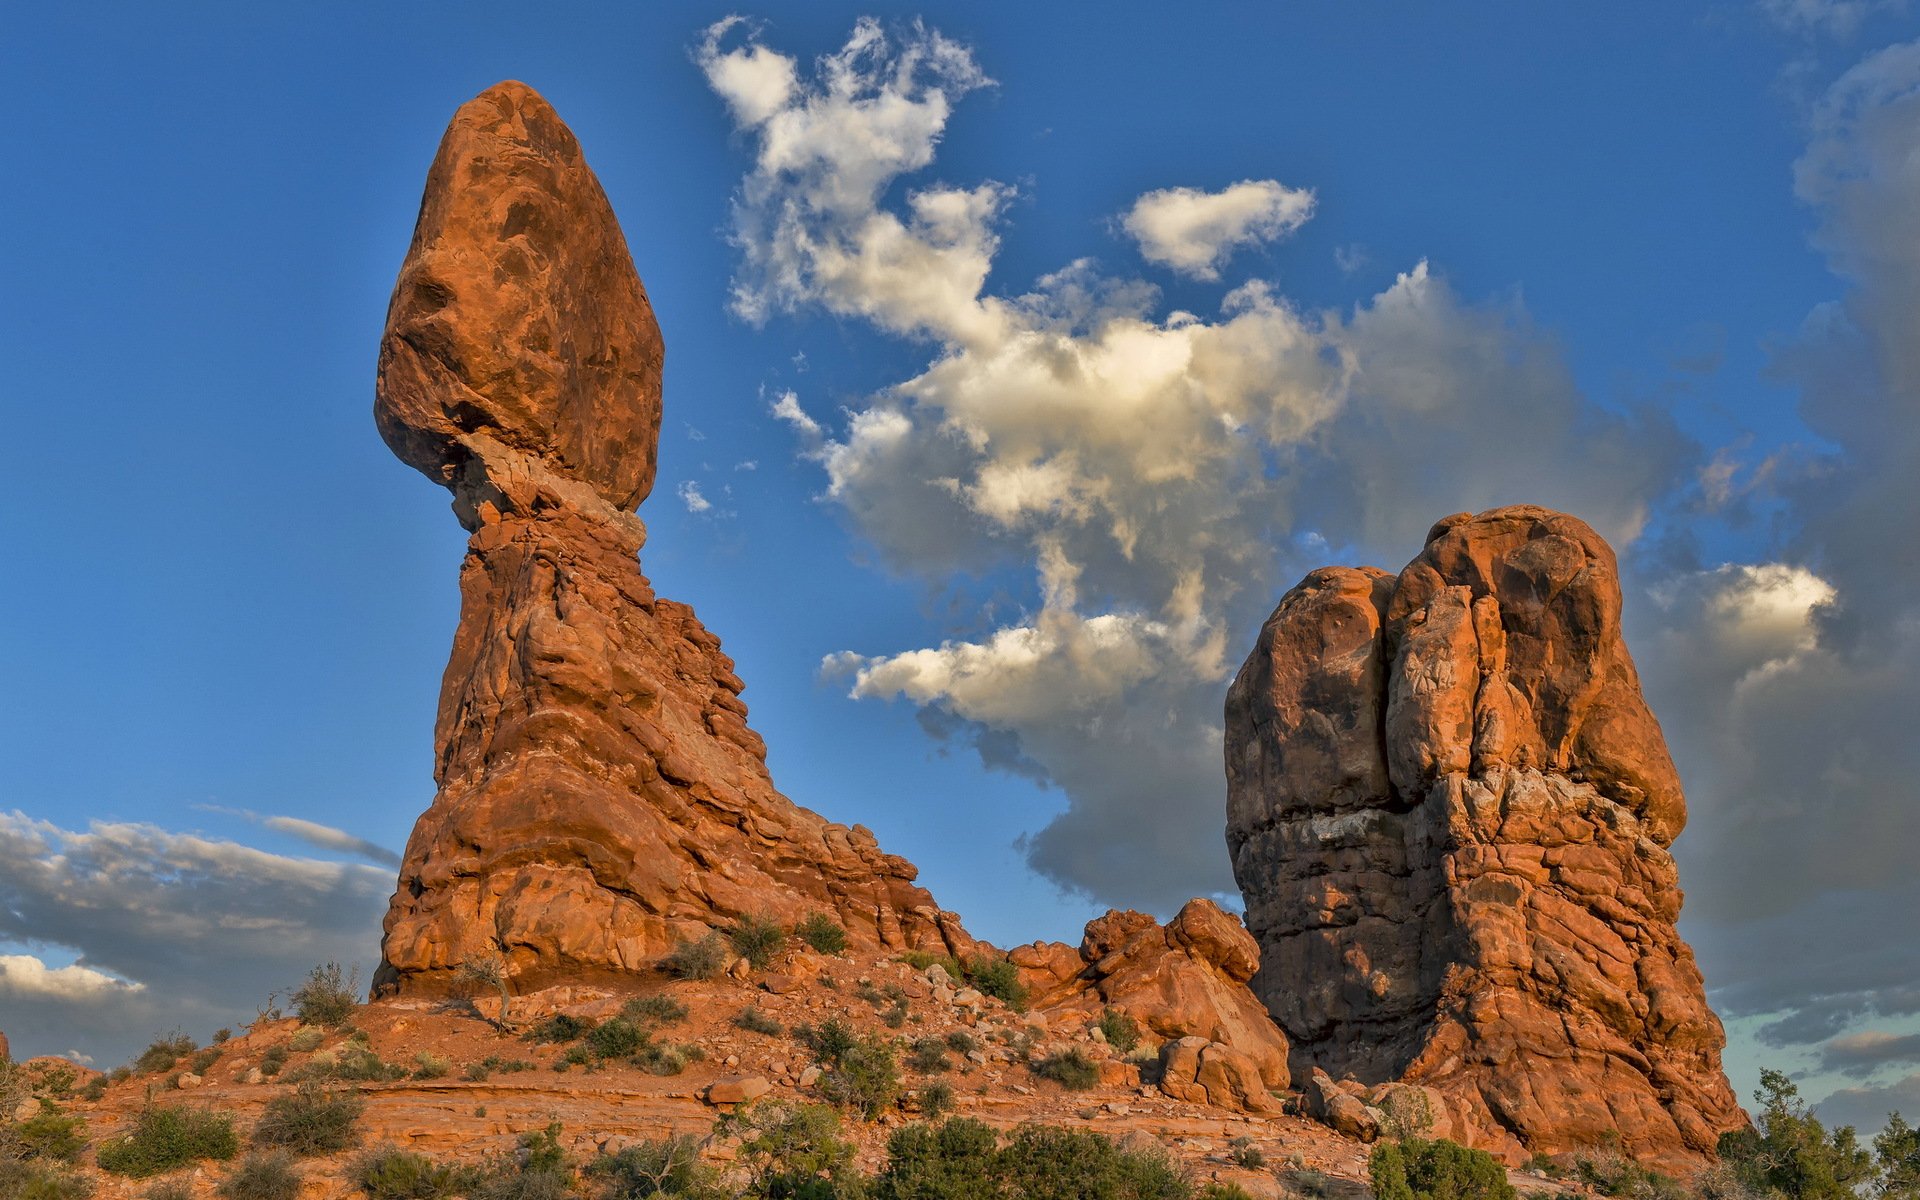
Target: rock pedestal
{"x": 1449, "y": 810}
{"x": 601, "y": 795}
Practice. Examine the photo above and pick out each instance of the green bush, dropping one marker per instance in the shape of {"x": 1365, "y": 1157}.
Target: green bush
{"x": 166, "y": 1137}
{"x": 962, "y": 1042}
{"x": 1897, "y": 1152}
{"x": 998, "y": 978}
{"x": 822, "y": 933}
{"x": 329, "y": 996}
{"x": 792, "y": 1150}
{"x": 170, "y": 1189}
{"x": 50, "y": 1136}
{"x": 753, "y": 1020}
{"x": 1046, "y": 1163}
{"x": 390, "y": 1173}
{"x": 39, "y": 1181}
{"x": 828, "y": 1040}
{"x": 1119, "y": 1030}
{"x": 668, "y": 1167}
{"x": 654, "y": 1010}
{"x": 704, "y": 959}
{"x": 955, "y": 1160}
{"x": 164, "y": 1053}
{"x": 262, "y": 1177}
{"x": 1071, "y": 1069}
{"x": 929, "y": 1056}
{"x": 936, "y": 1100}
{"x": 559, "y": 1028}
{"x": 539, "y": 1171}
{"x": 1243, "y": 1153}
{"x": 920, "y": 960}
{"x": 1417, "y": 1169}
{"x": 757, "y": 939}
{"x": 428, "y": 1065}
{"x": 615, "y": 1038}
{"x": 866, "y": 1077}
{"x": 311, "y": 1120}
{"x": 307, "y": 1037}
{"x": 353, "y": 1063}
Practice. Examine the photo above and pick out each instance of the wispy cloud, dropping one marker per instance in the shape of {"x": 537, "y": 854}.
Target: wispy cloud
{"x": 1195, "y": 232}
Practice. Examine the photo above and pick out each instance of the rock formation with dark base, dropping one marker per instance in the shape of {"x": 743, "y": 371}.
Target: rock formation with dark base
{"x": 600, "y": 794}
{"x": 1449, "y": 810}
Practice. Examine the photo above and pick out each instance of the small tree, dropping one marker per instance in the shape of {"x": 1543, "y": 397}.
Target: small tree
{"x": 490, "y": 971}
{"x": 790, "y": 1149}
{"x": 1790, "y": 1152}
{"x": 1898, "y": 1151}
{"x": 1438, "y": 1170}
{"x": 329, "y": 996}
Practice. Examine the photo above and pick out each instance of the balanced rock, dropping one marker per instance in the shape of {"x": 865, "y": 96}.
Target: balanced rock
{"x": 1186, "y": 979}
{"x": 1450, "y": 812}
{"x": 601, "y": 796}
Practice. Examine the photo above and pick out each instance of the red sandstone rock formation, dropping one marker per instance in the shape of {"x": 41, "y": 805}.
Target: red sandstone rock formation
{"x": 1186, "y": 982}
{"x": 1450, "y": 810}
{"x": 600, "y": 794}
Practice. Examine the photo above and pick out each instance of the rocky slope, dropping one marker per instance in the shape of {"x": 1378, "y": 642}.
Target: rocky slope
{"x": 1449, "y": 810}
{"x": 600, "y": 793}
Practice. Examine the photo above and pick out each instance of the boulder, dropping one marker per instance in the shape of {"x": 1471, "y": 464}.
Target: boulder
{"x": 600, "y": 793}
{"x": 1200, "y": 1071}
{"x": 738, "y": 1089}
{"x": 1450, "y": 812}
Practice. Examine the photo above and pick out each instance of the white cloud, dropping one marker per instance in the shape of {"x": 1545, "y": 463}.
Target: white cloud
{"x": 1148, "y": 467}
{"x": 25, "y": 977}
{"x": 1834, "y": 18}
{"x": 1195, "y": 232}
{"x": 690, "y": 496}
{"x": 313, "y": 833}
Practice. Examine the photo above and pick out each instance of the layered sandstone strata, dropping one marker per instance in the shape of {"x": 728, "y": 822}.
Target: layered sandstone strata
{"x": 600, "y": 793}
{"x": 1450, "y": 812}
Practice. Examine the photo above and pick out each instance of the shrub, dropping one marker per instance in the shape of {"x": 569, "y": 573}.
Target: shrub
{"x": 489, "y": 971}
{"x": 390, "y": 1173}
{"x": 929, "y": 1056}
{"x": 354, "y": 1063}
{"x": 1436, "y": 1170}
{"x": 539, "y": 1171}
{"x": 203, "y": 1061}
{"x": 1241, "y": 1152}
{"x": 329, "y": 996}
{"x": 962, "y": 1042}
{"x": 96, "y": 1089}
{"x": 306, "y": 1038}
{"x": 262, "y": 1177}
{"x": 616, "y": 1038}
{"x": 828, "y": 1040}
{"x": 559, "y": 1028}
{"x": 1046, "y": 1163}
{"x": 753, "y": 1020}
{"x": 1119, "y": 1030}
{"x": 656, "y": 1059}
{"x": 920, "y": 960}
{"x": 1611, "y": 1172}
{"x": 790, "y": 1149}
{"x": 703, "y": 959}
{"x": 668, "y": 1167}
{"x": 822, "y": 933}
{"x": 171, "y": 1189}
{"x": 428, "y": 1065}
{"x": 36, "y": 1181}
{"x": 50, "y": 1136}
{"x": 311, "y": 1120}
{"x": 480, "y": 1071}
{"x": 757, "y": 939}
{"x": 866, "y": 1077}
{"x": 998, "y": 978}
{"x": 1224, "y": 1191}
{"x": 654, "y": 1010}
{"x": 164, "y": 1053}
{"x": 955, "y": 1160}
{"x": 936, "y": 1099}
{"x": 1071, "y": 1069}
{"x": 166, "y": 1137}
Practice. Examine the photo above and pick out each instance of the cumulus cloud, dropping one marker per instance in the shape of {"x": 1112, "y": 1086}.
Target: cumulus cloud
{"x": 690, "y": 496}
{"x": 1868, "y": 1051}
{"x": 168, "y": 929}
{"x": 1195, "y": 232}
{"x": 1162, "y": 474}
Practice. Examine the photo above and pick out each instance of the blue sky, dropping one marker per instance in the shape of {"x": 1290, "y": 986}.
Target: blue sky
{"x": 1650, "y": 264}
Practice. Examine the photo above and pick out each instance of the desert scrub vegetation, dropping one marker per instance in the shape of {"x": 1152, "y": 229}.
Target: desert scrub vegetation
{"x": 1071, "y": 1069}
{"x": 167, "y": 1137}
{"x": 1417, "y": 1169}
{"x": 390, "y": 1173}
{"x": 1119, "y": 1029}
{"x": 753, "y": 1020}
{"x": 659, "y": 1168}
{"x": 821, "y": 933}
{"x": 1788, "y": 1153}
{"x": 558, "y": 1029}
{"x": 757, "y": 939}
{"x": 920, "y": 960}
{"x": 962, "y": 1157}
{"x": 864, "y": 1076}
{"x": 703, "y": 959}
{"x": 936, "y": 1099}
{"x": 271, "y": 1176}
{"x": 538, "y": 1169}
{"x": 793, "y": 1150}
{"x": 929, "y": 1056}
{"x": 428, "y": 1065}
{"x": 328, "y": 997}
{"x": 480, "y": 1072}
{"x": 998, "y": 978}
{"x": 37, "y": 1152}
{"x": 164, "y": 1054}
{"x": 654, "y": 1010}
{"x": 311, "y": 1120}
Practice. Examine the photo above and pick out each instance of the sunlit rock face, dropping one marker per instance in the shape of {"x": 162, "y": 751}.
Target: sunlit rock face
{"x": 600, "y": 793}
{"x": 1449, "y": 810}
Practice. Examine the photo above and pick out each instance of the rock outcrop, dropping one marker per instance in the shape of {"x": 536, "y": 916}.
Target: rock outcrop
{"x": 1449, "y": 810}
{"x": 600, "y": 793}
{"x": 1185, "y": 980}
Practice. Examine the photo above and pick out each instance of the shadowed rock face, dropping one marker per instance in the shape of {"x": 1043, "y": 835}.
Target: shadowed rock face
{"x": 1449, "y": 810}
{"x": 600, "y": 794}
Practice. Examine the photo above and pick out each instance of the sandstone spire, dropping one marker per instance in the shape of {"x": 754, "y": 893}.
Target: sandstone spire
{"x": 1449, "y": 810}
{"x": 600, "y": 794}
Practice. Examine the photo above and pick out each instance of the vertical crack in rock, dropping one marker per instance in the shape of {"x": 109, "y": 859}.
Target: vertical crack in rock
{"x": 1449, "y": 810}
{"x": 600, "y": 793}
